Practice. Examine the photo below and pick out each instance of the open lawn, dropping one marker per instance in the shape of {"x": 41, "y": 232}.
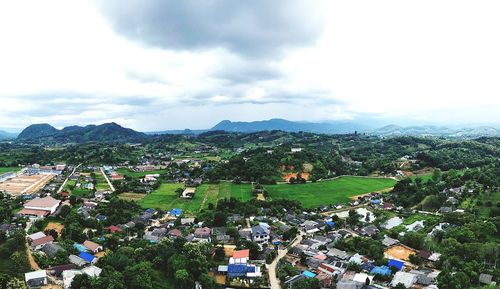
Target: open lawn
{"x": 137, "y": 175}
{"x": 166, "y": 198}
{"x": 131, "y": 196}
{"x": 8, "y": 169}
{"x": 329, "y": 192}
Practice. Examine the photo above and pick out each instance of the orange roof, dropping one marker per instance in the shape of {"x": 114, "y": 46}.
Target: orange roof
{"x": 31, "y": 212}
{"x": 91, "y": 245}
{"x": 241, "y": 254}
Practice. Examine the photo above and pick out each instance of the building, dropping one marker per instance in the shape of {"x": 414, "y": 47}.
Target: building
{"x": 48, "y": 205}
{"x": 407, "y": 279}
{"x": 188, "y": 193}
{"x": 260, "y": 233}
{"x": 202, "y": 235}
{"x": 36, "y": 278}
{"x": 92, "y": 247}
{"x": 39, "y": 243}
{"x": 240, "y": 257}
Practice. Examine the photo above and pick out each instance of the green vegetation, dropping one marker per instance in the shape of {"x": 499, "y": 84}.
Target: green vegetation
{"x": 101, "y": 183}
{"x": 327, "y": 192}
{"x": 137, "y": 175}
{"x": 8, "y": 169}
{"x": 166, "y": 197}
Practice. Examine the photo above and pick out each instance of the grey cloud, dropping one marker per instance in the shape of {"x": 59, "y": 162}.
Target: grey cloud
{"x": 258, "y": 28}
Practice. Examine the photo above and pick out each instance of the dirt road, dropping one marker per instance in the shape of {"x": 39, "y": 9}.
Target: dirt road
{"x": 273, "y": 280}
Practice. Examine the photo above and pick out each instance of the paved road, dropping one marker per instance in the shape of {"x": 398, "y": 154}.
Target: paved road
{"x": 273, "y": 280}
{"x": 67, "y": 178}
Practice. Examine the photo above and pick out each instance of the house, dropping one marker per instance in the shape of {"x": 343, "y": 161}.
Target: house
{"x": 69, "y": 275}
{"x": 202, "y": 235}
{"x": 388, "y": 241}
{"x": 36, "y": 236}
{"x": 39, "y": 243}
{"x": 92, "y": 247}
{"x": 407, "y": 279}
{"x": 7, "y": 229}
{"x": 47, "y": 204}
{"x": 188, "y": 193}
{"x": 114, "y": 229}
{"x": 485, "y": 278}
{"x": 396, "y": 264}
{"x": 260, "y": 233}
{"x": 51, "y": 249}
{"x": 339, "y": 254}
{"x": 176, "y": 212}
{"x": 36, "y": 278}
{"x": 73, "y": 259}
{"x": 369, "y": 230}
{"x": 187, "y": 221}
{"x": 175, "y": 233}
{"x": 58, "y": 269}
{"x": 289, "y": 283}
{"x": 245, "y": 234}
{"x": 240, "y": 257}
{"x": 89, "y": 258}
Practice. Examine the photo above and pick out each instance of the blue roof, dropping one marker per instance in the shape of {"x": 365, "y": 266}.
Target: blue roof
{"x": 237, "y": 270}
{"x": 309, "y": 274}
{"x": 80, "y": 247}
{"x": 87, "y": 256}
{"x": 376, "y": 201}
{"x": 150, "y": 211}
{"x": 381, "y": 270}
{"x": 396, "y": 263}
{"x": 367, "y": 266}
{"x": 330, "y": 224}
{"x": 176, "y": 212}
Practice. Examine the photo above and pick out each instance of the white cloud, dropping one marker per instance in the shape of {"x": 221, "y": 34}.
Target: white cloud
{"x": 61, "y": 62}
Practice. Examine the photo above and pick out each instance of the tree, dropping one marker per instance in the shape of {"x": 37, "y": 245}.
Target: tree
{"x": 81, "y": 281}
{"x": 353, "y": 218}
{"x": 15, "y": 283}
{"x": 139, "y": 276}
{"x": 182, "y": 276}
{"x": 64, "y": 212}
{"x": 399, "y": 286}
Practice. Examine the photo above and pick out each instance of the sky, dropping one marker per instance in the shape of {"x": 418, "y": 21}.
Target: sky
{"x": 166, "y": 64}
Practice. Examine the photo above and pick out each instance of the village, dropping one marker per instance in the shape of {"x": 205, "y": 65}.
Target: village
{"x": 327, "y": 243}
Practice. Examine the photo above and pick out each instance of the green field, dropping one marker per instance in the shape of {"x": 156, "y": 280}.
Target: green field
{"x": 137, "y": 175}
{"x": 101, "y": 183}
{"x": 329, "y": 192}
{"x": 8, "y": 169}
{"x": 165, "y": 197}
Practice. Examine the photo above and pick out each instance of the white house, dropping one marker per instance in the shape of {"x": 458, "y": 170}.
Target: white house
{"x": 36, "y": 278}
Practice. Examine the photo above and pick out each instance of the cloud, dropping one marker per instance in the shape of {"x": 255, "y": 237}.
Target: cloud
{"x": 259, "y": 28}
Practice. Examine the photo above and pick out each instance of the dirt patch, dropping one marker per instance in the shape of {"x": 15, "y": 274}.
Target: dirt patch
{"x": 131, "y": 196}
{"x": 400, "y": 252}
{"x": 354, "y": 198}
{"x": 220, "y": 279}
{"x": 228, "y": 250}
{"x": 33, "y": 264}
{"x": 100, "y": 254}
{"x": 58, "y": 227}
{"x": 261, "y": 197}
{"x": 303, "y": 175}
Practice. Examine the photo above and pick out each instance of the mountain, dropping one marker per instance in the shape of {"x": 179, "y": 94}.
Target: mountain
{"x": 108, "y": 132}
{"x": 437, "y": 131}
{"x": 7, "y": 135}
{"x": 37, "y": 131}
{"x": 290, "y": 126}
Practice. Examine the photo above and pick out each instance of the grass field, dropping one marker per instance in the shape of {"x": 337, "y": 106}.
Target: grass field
{"x": 101, "y": 183}
{"x": 137, "y": 175}
{"x": 328, "y": 192}
{"x": 8, "y": 169}
{"x": 165, "y": 197}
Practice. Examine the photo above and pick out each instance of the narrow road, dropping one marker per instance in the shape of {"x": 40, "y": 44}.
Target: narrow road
{"x": 273, "y": 280}
{"x": 67, "y": 178}
{"x": 109, "y": 182}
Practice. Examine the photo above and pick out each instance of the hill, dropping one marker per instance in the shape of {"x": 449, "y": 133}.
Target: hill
{"x": 35, "y": 131}
{"x": 7, "y": 135}
{"x": 108, "y": 132}
{"x": 290, "y": 126}
{"x": 437, "y": 131}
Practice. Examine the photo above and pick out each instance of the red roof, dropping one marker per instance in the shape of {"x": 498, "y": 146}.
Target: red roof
{"x": 326, "y": 267}
{"x": 241, "y": 254}
{"x": 114, "y": 229}
{"x": 175, "y": 233}
{"x": 43, "y": 240}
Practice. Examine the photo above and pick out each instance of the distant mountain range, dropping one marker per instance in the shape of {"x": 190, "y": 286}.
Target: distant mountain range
{"x": 108, "y": 132}
{"x": 7, "y": 135}
{"x": 112, "y": 132}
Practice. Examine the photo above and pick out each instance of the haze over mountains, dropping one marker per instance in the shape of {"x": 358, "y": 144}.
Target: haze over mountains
{"x": 112, "y": 132}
